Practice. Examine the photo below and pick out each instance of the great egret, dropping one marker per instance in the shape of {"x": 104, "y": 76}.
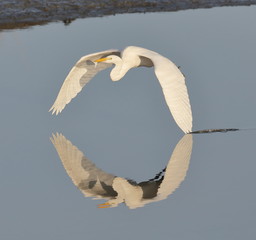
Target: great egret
{"x": 170, "y": 77}
{"x": 96, "y": 183}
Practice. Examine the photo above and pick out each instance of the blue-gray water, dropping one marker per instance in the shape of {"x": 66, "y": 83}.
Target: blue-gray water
{"x": 126, "y": 129}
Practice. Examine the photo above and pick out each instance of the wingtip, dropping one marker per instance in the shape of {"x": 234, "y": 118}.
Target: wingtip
{"x": 55, "y": 136}
{"x": 187, "y": 130}
{"x": 53, "y": 110}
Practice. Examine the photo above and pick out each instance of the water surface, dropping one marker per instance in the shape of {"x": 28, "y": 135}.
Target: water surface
{"x": 125, "y": 127}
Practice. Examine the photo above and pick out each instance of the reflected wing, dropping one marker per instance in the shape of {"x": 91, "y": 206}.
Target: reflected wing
{"x": 173, "y": 84}
{"x": 83, "y": 71}
{"x": 177, "y": 167}
{"x": 91, "y": 180}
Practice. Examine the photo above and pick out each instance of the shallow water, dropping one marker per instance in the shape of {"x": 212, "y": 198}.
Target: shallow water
{"x": 126, "y": 130}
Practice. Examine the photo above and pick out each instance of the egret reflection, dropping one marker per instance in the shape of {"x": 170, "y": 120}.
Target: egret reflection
{"x": 170, "y": 78}
{"x": 94, "y": 182}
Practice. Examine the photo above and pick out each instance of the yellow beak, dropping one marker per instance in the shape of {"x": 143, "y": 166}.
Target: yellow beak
{"x": 102, "y": 59}
{"x": 104, "y": 205}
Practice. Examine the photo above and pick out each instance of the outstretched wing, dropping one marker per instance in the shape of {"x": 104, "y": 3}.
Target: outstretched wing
{"x": 173, "y": 84}
{"x": 92, "y": 181}
{"x": 83, "y": 71}
{"x": 177, "y": 167}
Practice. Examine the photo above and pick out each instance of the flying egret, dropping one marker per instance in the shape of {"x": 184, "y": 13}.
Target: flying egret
{"x": 170, "y": 77}
{"x": 94, "y": 182}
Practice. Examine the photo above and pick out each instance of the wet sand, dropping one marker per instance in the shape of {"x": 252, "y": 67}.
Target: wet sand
{"x": 25, "y": 13}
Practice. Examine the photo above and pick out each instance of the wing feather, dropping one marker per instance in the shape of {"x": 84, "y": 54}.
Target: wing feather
{"x": 177, "y": 167}
{"x": 173, "y": 85}
{"x": 83, "y": 71}
{"x": 92, "y": 181}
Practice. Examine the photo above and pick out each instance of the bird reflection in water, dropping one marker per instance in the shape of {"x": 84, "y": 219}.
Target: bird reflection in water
{"x": 94, "y": 182}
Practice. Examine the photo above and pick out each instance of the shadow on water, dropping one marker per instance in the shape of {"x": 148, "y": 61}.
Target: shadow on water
{"x": 96, "y": 183}
{"x": 221, "y": 130}
{"x": 24, "y": 13}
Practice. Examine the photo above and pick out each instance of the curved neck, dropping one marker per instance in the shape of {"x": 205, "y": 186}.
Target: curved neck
{"x": 119, "y": 70}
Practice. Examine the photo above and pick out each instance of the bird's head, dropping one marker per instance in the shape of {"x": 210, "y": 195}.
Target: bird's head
{"x": 116, "y": 73}
{"x": 109, "y": 59}
{"x": 111, "y": 203}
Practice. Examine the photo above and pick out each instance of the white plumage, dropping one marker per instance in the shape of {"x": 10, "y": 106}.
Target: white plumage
{"x": 95, "y": 182}
{"x": 170, "y": 77}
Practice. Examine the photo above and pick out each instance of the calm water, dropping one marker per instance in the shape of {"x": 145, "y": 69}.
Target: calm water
{"x": 126, "y": 130}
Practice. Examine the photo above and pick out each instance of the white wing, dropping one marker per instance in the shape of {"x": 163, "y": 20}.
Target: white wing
{"x": 177, "y": 167}
{"x": 92, "y": 181}
{"x": 173, "y": 84}
{"x": 175, "y": 173}
{"x": 83, "y": 71}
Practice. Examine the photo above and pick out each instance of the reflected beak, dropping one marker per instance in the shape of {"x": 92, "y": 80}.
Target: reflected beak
{"x": 104, "y": 205}
{"x": 101, "y": 60}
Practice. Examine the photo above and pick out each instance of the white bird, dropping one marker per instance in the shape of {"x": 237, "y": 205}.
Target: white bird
{"x": 170, "y": 77}
{"x": 98, "y": 184}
